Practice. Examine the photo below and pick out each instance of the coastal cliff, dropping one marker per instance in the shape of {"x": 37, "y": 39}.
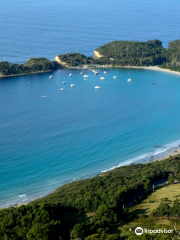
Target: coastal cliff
{"x": 57, "y": 59}
{"x": 97, "y": 55}
{"x": 73, "y": 59}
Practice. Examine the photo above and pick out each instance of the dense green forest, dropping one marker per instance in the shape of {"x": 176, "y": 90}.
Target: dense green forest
{"x": 133, "y": 53}
{"x": 31, "y": 66}
{"x": 122, "y": 53}
{"x": 172, "y": 56}
{"x": 130, "y": 53}
{"x": 90, "y": 209}
{"x": 116, "y": 53}
{"x": 75, "y": 59}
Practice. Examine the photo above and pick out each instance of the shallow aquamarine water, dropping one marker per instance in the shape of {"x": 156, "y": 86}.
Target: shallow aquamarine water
{"x": 81, "y": 131}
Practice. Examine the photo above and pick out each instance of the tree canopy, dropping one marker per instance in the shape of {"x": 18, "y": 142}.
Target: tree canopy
{"x": 49, "y": 217}
{"x": 33, "y": 65}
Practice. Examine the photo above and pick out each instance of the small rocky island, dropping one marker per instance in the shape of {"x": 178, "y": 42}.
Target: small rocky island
{"x": 116, "y": 54}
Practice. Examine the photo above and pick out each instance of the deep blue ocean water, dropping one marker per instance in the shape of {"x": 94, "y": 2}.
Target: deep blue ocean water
{"x": 47, "y": 28}
{"x": 81, "y": 131}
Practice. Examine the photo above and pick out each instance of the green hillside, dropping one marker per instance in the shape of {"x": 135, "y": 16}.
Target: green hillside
{"x": 92, "y": 208}
{"x": 133, "y": 53}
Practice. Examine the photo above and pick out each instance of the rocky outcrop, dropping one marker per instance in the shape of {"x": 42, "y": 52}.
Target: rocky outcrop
{"x": 97, "y": 55}
{"x": 57, "y": 59}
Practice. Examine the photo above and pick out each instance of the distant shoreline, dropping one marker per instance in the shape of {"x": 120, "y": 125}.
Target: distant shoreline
{"x": 24, "y": 74}
{"x": 175, "y": 152}
{"x": 156, "y": 68}
{"x": 153, "y": 68}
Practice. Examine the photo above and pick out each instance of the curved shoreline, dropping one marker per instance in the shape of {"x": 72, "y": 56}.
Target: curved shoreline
{"x": 24, "y": 74}
{"x": 155, "y": 68}
{"x": 176, "y": 151}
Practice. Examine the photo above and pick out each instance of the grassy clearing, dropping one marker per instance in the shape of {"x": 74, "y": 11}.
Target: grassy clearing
{"x": 153, "y": 200}
{"x": 144, "y": 208}
{"x": 141, "y": 211}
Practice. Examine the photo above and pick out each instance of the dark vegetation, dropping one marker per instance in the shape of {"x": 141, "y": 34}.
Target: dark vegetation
{"x": 91, "y": 208}
{"x": 31, "y": 66}
{"x": 75, "y": 59}
{"x": 173, "y": 56}
{"x": 132, "y": 53}
{"x": 116, "y": 53}
{"x": 164, "y": 208}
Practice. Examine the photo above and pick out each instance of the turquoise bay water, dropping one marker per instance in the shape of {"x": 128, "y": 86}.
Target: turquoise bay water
{"x": 81, "y": 131}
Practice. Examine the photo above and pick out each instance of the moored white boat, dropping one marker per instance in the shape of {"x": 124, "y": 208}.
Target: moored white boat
{"x": 104, "y": 71}
{"x": 95, "y": 72}
{"x": 62, "y": 89}
{"x": 85, "y": 76}
{"x": 81, "y": 73}
{"x": 64, "y": 82}
{"x": 70, "y": 74}
{"x": 129, "y": 80}
{"x": 114, "y": 77}
{"x": 72, "y": 85}
{"x": 96, "y": 87}
{"x": 102, "y": 78}
{"x": 51, "y": 76}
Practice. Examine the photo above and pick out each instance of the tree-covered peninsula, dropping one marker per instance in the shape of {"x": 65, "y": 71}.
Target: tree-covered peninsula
{"x": 95, "y": 208}
{"x": 33, "y": 65}
{"x": 116, "y": 53}
{"x": 120, "y": 53}
{"x": 128, "y": 53}
{"x": 172, "y": 56}
{"x": 131, "y": 53}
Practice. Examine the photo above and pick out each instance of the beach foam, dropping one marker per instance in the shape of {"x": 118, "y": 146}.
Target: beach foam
{"x": 150, "y": 156}
{"x": 23, "y": 195}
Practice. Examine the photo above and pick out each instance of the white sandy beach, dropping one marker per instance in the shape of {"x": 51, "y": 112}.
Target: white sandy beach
{"x": 155, "y": 68}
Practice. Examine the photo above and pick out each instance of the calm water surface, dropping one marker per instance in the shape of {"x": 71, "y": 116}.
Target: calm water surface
{"x": 81, "y": 131}
{"x": 48, "y": 28}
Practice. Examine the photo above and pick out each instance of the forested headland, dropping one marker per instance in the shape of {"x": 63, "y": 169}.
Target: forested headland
{"x": 129, "y": 53}
{"x": 33, "y": 65}
{"x": 116, "y": 53}
{"x": 94, "y": 208}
